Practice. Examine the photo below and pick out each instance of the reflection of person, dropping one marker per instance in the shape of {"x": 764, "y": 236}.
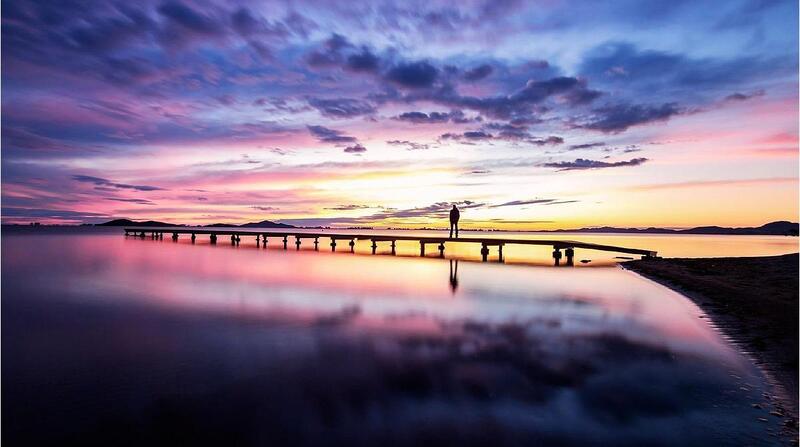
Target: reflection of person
{"x": 453, "y": 275}
{"x": 454, "y": 216}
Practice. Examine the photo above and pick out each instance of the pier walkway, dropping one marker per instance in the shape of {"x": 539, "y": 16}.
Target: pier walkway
{"x": 261, "y": 237}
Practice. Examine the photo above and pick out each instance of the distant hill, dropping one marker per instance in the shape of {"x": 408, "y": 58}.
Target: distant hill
{"x": 262, "y": 224}
{"x": 779, "y": 228}
{"x": 266, "y": 224}
{"x": 133, "y": 223}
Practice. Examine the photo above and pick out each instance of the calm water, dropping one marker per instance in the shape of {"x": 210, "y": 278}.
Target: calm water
{"x": 112, "y": 340}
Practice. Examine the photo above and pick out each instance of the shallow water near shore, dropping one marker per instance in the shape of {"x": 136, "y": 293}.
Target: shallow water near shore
{"x": 114, "y": 340}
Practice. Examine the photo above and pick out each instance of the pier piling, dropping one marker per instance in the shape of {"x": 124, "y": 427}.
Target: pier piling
{"x": 558, "y": 245}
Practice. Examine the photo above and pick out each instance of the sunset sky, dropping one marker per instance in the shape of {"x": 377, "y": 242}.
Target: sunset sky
{"x": 529, "y": 115}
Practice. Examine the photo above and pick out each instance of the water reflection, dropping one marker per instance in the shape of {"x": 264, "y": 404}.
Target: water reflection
{"x": 196, "y": 344}
{"x": 454, "y": 274}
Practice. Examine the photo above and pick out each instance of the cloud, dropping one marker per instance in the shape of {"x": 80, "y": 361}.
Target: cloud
{"x": 108, "y": 183}
{"x": 327, "y": 135}
{"x": 587, "y": 145}
{"x": 424, "y": 118}
{"x": 355, "y": 149}
{"x": 409, "y": 145}
{"x": 365, "y": 61}
{"x": 744, "y": 96}
{"x": 265, "y": 208}
{"x": 342, "y": 107}
{"x": 582, "y": 163}
{"x": 478, "y": 73}
{"x": 507, "y": 133}
{"x": 138, "y": 201}
{"x": 533, "y": 202}
{"x": 348, "y": 207}
{"x": 420, "y": 74}
{"x": 620, "y": 117}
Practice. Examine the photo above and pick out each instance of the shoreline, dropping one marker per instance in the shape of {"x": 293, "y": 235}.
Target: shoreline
{"x": 753, "y": 301}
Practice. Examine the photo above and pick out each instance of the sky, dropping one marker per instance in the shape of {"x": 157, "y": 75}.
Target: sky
{"x": 526, "y": 114}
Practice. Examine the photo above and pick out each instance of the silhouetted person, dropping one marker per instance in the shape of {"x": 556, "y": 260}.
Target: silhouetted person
{"x": 454, "y": 216}
{"x": 453, "y": 275}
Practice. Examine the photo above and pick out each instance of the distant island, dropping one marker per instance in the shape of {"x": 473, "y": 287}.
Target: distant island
{"x": 778, "y": 228}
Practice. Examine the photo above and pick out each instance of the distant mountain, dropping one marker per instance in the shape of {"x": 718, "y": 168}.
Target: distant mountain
{"x": 779, "y": 228}
{"x": 133, "y": 223}
{"x": 262, "y": 224}
{"x": 266, "y": 224}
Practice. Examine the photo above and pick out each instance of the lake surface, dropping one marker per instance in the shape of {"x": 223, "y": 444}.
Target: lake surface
{"x": 123, "y": 341}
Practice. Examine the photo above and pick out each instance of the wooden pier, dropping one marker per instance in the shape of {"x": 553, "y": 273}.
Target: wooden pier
{"x": 261, "y": 237}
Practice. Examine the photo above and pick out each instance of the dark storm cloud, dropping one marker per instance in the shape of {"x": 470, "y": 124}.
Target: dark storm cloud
{"x": 109, "y": 184}
{"x": 327, "y": 135}
{"x": 342, "y": 107}
{"x": 618, "y": 118}
{"x": 582, "y": 163}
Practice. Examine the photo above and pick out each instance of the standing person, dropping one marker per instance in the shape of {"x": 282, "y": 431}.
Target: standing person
{"x": 454, "y": 216}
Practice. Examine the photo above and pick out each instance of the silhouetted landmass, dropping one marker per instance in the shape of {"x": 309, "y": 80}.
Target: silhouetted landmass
{"x": 779, "y": 228}
{"x": 266, "y": 224}
{"x": 128, "y": 223}
{"x": 152, "y": 223}
{"x": 753, "y": 299}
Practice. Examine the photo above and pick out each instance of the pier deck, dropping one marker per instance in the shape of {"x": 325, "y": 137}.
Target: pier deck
{"x": 262, "y": 235}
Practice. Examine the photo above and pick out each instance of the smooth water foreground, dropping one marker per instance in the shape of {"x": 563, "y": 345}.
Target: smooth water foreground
{"x": 112, "y": 340}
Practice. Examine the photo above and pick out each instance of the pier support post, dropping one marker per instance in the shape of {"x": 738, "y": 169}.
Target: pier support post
{"x": 421, "y": 248}
{"x": 556, "y": 256}
{"x": 233, "y": 239}
{"x": 141, "y": 235}
{"x": 213, "y": 238}
{"x": 570, "y": 254}
{"x": 441, "y": 249}
{"x": 258, "y": 240}
{"x": 175, "y": 237}
{"x": 500, "y": 253}
{"x": 484, "y": 252}
{"x": 374, "y": 246}
{"x": 394, "y": 243}
{"x": 333, "y": 244}
{"x": 264, "y": 238}
{"x": 297, "y": 242}
{"x": 285, "y": 242}
{"x": 161, "y": 235}
{"x": 352, "y": 245}
{"x": 316, "y": 244}
{"x": 194, "y": 236}
{"x": 238, "y": 239}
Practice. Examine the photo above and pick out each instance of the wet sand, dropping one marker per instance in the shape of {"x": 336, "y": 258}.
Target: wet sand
{"x": 754, "y": 301}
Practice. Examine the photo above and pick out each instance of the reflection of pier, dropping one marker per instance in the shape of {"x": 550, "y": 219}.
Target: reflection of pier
{"x": 261, "y": 237}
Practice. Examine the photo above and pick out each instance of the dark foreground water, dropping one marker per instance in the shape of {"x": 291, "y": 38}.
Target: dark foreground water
{"x": 115, "y": 341}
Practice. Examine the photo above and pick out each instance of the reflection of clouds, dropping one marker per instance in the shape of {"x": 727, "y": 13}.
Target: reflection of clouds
{"x": 474, "y": 382}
